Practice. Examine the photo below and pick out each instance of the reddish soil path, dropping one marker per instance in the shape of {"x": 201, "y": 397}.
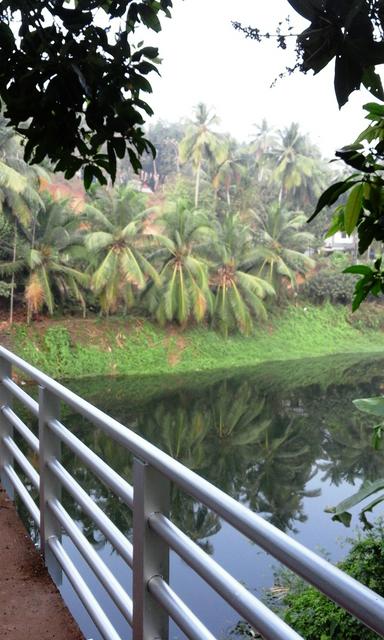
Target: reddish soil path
{"x": 31, "y": 607}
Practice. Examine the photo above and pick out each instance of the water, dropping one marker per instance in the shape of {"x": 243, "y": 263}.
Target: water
{"x": 284, "y": 439}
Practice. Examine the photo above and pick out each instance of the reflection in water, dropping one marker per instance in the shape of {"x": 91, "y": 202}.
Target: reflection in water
{"x": 273, "y": 439}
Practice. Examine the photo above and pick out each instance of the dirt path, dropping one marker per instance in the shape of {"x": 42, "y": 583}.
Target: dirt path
{"x": 31, "y": 607}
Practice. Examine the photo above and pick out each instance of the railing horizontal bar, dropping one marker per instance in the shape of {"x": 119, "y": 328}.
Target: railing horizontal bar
{"x": 106, "y": 526}
{"x": 23, "y": 493}
{"x": 20, "y": 458}
{"x": 106, "y": 577}
{"x": 178, "y": 610}
{"x": 85, "y": 594}
{"x": 363, "y": 603}
{"x": 245, "y": 603}
{"x": 21, "y": 395}
{"x": 22, "y": 428}
{"x": 100, "y": 468}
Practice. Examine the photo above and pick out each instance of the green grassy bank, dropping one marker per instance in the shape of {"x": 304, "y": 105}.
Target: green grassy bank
{"x": 71, "y": 348}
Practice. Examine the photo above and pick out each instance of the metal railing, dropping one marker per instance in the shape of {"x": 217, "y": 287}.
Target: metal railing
{"x": 154, "y": 535}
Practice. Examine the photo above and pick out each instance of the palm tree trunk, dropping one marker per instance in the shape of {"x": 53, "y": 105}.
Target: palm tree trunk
{"x": 13, "y": 275}
{"x": 197, "y": 185}
{"x": 155, "y": 176}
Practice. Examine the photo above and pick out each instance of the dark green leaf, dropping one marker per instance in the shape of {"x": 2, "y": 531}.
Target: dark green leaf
{"x": 331, "y": 195}
{"x": 353, "y": 208}
{"x": 88, "y": 176}
{"x": 362, "y": 269}
{"x": 372, "y": 82}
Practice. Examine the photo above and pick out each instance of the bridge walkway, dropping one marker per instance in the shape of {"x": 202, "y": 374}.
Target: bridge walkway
{"x": 31, "y": 607}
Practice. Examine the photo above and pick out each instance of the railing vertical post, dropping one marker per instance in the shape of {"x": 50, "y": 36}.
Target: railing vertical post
{"x": 151, "y": 494}
{"x": 6, "y": 429}
{"x": 50, "y": 448}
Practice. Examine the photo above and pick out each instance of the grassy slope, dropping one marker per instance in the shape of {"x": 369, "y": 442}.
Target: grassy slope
{"x": 74, "y": 348}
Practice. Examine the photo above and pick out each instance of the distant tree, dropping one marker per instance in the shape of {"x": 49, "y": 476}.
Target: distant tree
{"x": 45, "y": 257}
{"x": 116, "y": 241}
{"x": 229, "y": 171}
{"x": 296, "y": 169}
{"x": 184, "y": 292}
{"x": 201, "y": 142}
{"x": 281, "y": 245}
{"x": 262, "y": 141}
{"x": 165, "y": 137}
{"x": 20, "y": 201}
{"x": 239, "y": 294}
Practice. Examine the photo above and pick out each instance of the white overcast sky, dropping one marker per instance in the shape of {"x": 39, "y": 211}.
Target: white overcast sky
{"x": 205, "y": 59}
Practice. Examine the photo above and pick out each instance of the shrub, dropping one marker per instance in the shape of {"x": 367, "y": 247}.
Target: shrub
{"x": 316, "y": 617}
{"x": 368, "y": 316}
{"x": 330, "y": 285}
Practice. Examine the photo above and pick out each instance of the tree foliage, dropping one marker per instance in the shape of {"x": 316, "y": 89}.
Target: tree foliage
{"x": 73, "y": 87}
{"x": 136, "y": 250}
{"x": 350, "y": 33}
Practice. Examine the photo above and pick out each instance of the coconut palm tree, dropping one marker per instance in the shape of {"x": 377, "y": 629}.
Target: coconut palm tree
{"x": 116, "y": 242}
{"x": 201, "y": 142}
{"x": 296, "y": 168}
{"x": 19, "y": 197}
{"x": 239, "y": 294}
{"x": 229, "y": 171}
{"x": 262, "y": 142}
{"x": 281, "y": 245}
{"x": 46, "y": 253}
{"x": 55, "y": 243}
{"x": 184, "y": 292}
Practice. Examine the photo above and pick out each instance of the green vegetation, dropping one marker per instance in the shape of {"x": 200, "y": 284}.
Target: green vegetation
{"x": 117, "y": 347}
{"x": 218, "y": 241}
{"x": 316, "y": 617}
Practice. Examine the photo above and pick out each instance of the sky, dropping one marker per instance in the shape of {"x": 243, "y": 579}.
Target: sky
{"x": 205, "y": 59}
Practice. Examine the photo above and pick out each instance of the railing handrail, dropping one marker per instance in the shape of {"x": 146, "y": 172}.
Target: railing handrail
{"x": 346, "y": 591}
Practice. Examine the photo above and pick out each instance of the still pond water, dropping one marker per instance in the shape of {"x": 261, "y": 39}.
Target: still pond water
{"x": 284, "y": 439}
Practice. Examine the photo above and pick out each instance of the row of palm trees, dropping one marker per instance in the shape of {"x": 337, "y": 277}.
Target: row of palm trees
{"x": 176, "y": 262}
{"x": 282, "y": 163}
{"x": 219, "y": 243}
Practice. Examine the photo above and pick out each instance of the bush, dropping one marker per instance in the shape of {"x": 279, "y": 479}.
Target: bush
{"x": 316, "y": 617}
{"x": 368, "y": 316}
{"x": 329, "y": 285}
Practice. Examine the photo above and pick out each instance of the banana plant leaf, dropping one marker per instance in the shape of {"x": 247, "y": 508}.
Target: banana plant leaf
{"x": 341, "y": 511}
{"x": 374, "y": 406}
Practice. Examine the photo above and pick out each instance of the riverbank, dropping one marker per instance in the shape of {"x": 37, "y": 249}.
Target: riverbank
{"x": 74, "y": 348}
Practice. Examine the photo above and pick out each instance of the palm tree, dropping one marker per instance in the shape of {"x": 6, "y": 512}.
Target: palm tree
{"x": 19, "y": 197}
{"x": 184, "y": 292}
{"x": 282, "y": 243}
{"x": 262, "y": 142}
{"x": 55, "y": 243}
{"x": 46, "y": 253}
{"x": 238, "y": 294}
{"x": 200, "y": 143}
{"x": 116, "y": 241}
{"x": 296, "y": 170}
{"x": 229, "y": 171}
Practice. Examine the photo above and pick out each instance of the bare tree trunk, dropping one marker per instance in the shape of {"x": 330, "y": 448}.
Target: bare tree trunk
{"x": 155, "y": 176}
{"x": 197, "y": 185}
{"x": 13, "y": 275}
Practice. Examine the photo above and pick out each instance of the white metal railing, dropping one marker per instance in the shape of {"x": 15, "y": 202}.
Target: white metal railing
{"x": 154, "y": 601}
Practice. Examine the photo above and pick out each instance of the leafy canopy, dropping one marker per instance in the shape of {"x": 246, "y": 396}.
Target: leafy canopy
{"x": 73, "y": 87}
{"x": 350, "y": 33}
